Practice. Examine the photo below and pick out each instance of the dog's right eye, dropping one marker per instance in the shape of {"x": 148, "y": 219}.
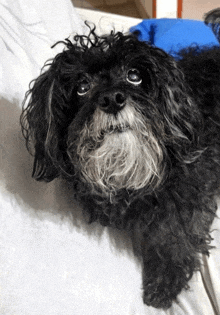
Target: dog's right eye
{"x": 83, "y": 87}
{"x": 134, "y": 77}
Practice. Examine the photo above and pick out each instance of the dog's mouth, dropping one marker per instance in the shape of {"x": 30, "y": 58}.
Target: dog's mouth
{"x": 103, "y": 125}
{"x": 115, "y": 129}
{"x": 118, "y": 128}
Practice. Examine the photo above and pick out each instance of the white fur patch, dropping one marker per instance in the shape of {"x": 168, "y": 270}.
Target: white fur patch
{"x": 118, "y": 152}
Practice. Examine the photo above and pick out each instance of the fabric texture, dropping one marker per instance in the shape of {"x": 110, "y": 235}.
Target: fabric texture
{"x": 172, "y": 35}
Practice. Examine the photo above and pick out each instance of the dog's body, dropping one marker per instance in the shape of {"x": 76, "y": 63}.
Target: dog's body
{"x": 138, "y": 136}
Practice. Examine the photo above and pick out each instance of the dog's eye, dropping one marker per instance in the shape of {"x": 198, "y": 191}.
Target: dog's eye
{"x": 134, "y": 77}
{"x": 83, "y": 87}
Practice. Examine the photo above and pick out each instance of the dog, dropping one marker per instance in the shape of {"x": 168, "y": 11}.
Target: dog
{"x": 137, "y": 135}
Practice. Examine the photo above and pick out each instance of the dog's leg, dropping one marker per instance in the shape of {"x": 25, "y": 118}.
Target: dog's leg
{"x": 164, "y": 277}
{"x": 169, "y": 241}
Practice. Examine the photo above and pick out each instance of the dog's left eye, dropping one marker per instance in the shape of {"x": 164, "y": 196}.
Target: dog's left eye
{"x": 134, "y": 77}
{"x": 83, "y": 87}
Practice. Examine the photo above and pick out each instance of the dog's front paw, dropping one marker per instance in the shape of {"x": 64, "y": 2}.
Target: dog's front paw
{"x": 158, "y": 296}
{"x": 161, "y": 287}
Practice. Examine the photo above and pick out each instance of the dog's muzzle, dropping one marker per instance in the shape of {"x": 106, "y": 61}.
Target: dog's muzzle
{"x": 116, "y": 149}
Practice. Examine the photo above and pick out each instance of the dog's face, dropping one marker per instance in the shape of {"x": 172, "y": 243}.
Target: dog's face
{"x": 112, "y": 112}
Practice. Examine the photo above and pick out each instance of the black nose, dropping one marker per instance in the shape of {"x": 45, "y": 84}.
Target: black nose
{"x": 112, "y": 102}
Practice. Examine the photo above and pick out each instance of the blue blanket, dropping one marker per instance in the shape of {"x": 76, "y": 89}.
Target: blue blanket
{"x": 172, "y": 35}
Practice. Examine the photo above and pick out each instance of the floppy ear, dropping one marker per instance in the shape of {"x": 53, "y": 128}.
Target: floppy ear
{"x": 181, "y": 120}
{"x": 47, "y": 115}
{"x": 181, "y": 113}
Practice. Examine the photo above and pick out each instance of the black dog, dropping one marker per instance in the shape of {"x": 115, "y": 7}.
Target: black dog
{"x": 138, "y": 136}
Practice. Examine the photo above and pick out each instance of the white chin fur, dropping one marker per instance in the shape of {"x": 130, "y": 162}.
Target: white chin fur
{"x": 130, "y": 159}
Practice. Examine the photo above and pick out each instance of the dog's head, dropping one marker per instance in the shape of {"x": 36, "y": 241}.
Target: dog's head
{"x": 111, "y": 112}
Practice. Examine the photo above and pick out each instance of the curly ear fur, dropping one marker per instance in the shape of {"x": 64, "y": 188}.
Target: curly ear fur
{"x": 183, "y": 120}
{"x": 45, "y": 120}
{"x": 48, "y": 109}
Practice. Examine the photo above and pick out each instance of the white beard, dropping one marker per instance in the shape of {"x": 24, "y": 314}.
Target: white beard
{"x": 119, "y": 152}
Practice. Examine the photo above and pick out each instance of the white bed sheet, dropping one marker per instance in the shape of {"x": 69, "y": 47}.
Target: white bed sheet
{"x": 51, "y": 261}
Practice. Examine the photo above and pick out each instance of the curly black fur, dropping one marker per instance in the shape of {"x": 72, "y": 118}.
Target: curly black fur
{"x": 178, "y": 104}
